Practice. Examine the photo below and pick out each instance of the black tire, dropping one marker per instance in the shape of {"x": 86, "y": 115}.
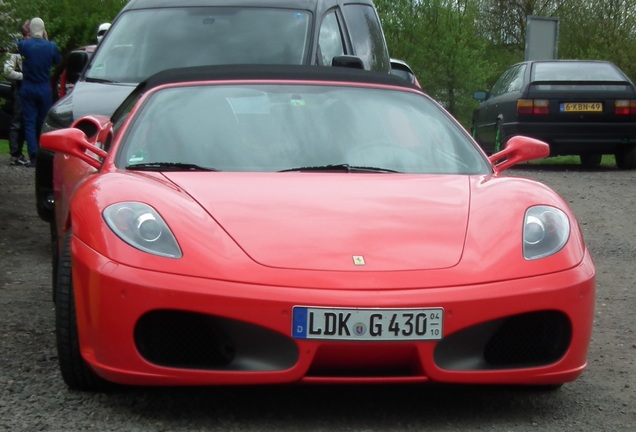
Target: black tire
{"x": 44, "y": 184}
{"x": 626, "y": 158}
{"x": 75, "y": 371}
{"x": 55, "y": 257}
{"x": 591, "y": 160}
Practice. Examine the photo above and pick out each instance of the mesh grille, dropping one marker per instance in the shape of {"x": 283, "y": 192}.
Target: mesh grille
{"x": 533, "y": 338}
{"x": 183, "y": 340}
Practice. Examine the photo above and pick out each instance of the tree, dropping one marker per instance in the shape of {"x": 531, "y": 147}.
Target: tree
{"x": 440, "y": 41}
{"x": 69, "y": 23}
{"x": 600, "y": 30}
{"x": 8, "y": 32}
{"x": 456, "y": 46}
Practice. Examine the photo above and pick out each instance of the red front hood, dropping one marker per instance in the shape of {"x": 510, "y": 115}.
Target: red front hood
{"x": 324, "y": 221}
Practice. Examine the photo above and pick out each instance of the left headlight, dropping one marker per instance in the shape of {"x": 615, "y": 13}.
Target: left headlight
{"x": 545, "y": 232}
{"x": 140, "y": 226}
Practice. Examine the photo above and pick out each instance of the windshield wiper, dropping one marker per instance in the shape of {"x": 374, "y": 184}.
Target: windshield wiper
{"x": 340, "y": 168}
{"x": 167, "y": 166}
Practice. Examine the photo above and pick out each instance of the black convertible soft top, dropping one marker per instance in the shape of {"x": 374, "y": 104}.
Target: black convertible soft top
{"x": 270, "y": 72}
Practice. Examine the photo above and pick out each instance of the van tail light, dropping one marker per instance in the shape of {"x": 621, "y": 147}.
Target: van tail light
{"x": 625, "y": 107}
{"x": 532, "y": 106}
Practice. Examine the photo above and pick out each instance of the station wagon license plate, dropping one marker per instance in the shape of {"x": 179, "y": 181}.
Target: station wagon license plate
{"x": 367, "y": 324}
{"x": 576, "y": 107}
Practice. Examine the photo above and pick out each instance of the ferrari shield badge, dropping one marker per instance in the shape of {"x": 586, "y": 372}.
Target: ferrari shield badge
{"x": 358, "y": 260}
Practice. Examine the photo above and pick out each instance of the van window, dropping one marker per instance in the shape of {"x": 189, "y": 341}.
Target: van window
{"x": 367, "y": 36}
{"x": 330, "y": 43}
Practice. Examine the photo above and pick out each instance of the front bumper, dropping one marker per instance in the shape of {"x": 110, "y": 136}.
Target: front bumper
{"x": 146, "y": 328}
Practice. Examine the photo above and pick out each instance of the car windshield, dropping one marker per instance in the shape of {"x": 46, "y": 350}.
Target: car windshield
{"x": 295, "y": 127}
{"x": 143, "y": 42}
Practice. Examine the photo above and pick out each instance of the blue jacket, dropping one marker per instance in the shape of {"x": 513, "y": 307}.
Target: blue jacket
{"x": 40, "y": 55}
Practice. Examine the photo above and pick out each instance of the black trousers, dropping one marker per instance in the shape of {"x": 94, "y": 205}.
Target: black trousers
{"x": 16, "y": 128}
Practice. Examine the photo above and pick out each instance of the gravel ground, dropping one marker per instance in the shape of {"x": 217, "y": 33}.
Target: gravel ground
{"x": 33, "y": 396}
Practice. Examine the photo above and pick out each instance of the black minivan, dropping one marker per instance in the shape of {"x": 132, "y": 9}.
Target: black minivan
{"x": 148, "y": 36}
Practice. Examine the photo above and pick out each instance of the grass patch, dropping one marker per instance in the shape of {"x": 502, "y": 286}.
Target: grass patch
{"x": 4, "y": 147}
{"x": 607, "y": 160}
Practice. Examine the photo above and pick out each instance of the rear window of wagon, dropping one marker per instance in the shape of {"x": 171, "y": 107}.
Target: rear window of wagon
{"x": 575, "y": 71}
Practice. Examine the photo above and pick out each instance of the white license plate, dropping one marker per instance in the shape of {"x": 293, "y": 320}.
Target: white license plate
{"x": 367, "y": 324}
{"x": 581, "y": 107}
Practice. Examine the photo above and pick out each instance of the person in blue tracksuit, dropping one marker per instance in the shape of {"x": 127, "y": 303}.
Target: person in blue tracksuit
{"x": 13, "y": 72}
{"x": 39, "y": 56}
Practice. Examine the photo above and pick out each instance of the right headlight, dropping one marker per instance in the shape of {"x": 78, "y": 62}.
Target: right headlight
{"x": 545, "y": 231}
{"x": 140, "y": 226}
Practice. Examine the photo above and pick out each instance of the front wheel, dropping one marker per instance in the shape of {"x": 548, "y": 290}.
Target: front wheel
{"x": 75, "y": 371}
{"x": 55, "y": 256}
{"x": 44, "y": 201}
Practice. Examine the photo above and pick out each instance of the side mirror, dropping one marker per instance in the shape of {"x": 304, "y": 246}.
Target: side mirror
{"x": 519, "y": 149}
{"x": 480, "y": 95}
{"x": 401, "y": 69}
{"x": 80, "y": 140}
{"x": 75, "y": 63}
{"x": 347, "y": 61}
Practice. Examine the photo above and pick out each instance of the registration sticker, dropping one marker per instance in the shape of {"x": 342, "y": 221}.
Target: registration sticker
{"x": 576, "y": 107}
{"x": 367, "y": 324}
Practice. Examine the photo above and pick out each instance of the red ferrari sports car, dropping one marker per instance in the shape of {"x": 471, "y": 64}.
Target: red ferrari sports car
{"x": 282, "y": 224}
